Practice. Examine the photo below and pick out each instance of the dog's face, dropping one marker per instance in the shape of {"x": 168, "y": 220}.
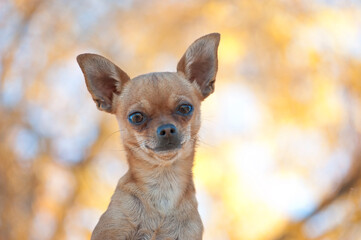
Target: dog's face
{"x": 158, "y": 113}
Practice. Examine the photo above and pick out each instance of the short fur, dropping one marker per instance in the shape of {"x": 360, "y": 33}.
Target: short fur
{"x": 155, "y": 199}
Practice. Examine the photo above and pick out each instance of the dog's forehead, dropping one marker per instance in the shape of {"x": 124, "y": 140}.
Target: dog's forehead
{"x": 157, "y": 88}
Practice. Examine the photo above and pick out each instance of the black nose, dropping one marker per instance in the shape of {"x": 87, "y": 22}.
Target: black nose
{"x": 166, "y": 130}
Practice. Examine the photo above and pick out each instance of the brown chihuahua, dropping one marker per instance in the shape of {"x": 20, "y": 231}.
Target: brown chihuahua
{"x": 159, "y": 118}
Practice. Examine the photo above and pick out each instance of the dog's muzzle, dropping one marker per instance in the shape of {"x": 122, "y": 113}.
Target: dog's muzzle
{"x": 168, "y": 138}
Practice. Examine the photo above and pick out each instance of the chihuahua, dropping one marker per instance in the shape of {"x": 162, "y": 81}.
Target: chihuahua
{"x": 159, "y": 119}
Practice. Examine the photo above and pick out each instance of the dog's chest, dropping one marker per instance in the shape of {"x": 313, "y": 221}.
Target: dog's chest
{"x": 165, "y": 191}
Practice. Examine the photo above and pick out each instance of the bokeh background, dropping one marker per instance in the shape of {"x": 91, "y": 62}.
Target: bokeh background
{"x": 279, "y": 155}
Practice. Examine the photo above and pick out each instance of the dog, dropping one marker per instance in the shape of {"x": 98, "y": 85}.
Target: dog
{"x": 159, "y": 118}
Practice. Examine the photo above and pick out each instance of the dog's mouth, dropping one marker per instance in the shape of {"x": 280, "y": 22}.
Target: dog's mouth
{"x": 165, "y": 152}
{"x": 165, "y": 148}
{"x": 166, "y": 145}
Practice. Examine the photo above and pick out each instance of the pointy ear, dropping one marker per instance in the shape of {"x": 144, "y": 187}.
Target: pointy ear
{"x": 200, "y": 63}
{"x": 103, "y": 78}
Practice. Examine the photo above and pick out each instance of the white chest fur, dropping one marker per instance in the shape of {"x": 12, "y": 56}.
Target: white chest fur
{"x": 164, "y": 190}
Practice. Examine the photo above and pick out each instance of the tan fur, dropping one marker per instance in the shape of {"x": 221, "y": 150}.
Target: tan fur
{"x": 155, "y": 199}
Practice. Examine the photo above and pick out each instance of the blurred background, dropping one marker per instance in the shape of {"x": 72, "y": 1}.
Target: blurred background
{"x": 279, "y": 155}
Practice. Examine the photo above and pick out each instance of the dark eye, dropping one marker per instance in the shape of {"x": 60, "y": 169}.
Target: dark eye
{"x": 184, "y": 109}
{"x": 136, "y": 118}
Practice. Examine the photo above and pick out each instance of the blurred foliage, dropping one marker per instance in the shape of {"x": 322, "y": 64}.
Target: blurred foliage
{"x": 279, "y": 153}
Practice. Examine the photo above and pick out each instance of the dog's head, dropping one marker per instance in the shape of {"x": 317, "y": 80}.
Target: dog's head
{"x": 158, "y": 113}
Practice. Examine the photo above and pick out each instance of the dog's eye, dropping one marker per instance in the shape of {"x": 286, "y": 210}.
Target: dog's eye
{"x": 184, "y": 109}
{"x": 136, "y": 118}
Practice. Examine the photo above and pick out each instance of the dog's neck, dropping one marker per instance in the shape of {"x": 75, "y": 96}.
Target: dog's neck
{"x": 163, "y": 184}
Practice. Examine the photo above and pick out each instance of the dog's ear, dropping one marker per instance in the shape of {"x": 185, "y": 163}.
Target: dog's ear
{"x": 103, "y": 79}
{"x": 200, "y": 63}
